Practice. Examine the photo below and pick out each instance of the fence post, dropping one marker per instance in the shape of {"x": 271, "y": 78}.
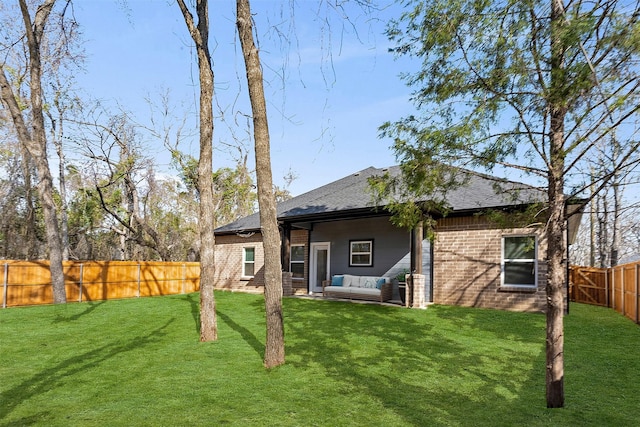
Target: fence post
{"x": 606, "y": 287}
{"x": 613, "y": 288}
{"x": 623, "y": 287}
{"x": 4, "y": 290}
{"x": 636, "y": 296}
{"x": 81, "y": 280}
{"x": 184, "y": 276}
{"x": 138, "y": 280}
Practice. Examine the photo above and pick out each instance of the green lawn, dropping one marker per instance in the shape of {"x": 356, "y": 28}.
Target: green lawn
{"x": 138, "y": 362}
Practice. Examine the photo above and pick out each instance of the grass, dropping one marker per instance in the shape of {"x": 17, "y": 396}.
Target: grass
{"x": 138, "y": 362}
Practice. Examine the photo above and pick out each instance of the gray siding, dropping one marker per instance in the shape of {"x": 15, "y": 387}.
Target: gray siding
{"x": 391, "y": 247}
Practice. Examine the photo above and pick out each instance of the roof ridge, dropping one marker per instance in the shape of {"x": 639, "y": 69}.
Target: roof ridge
{"x": 332, "y": 186}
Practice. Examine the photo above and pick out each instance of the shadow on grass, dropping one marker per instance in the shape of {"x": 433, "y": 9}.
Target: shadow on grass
{"x": 50, "y": 378}
{"x": 90, "y": 307}
{"x": 428, "y": 368}
{"x": 245, "y": 333}
{"x": 233, "y": 320}
{"x": 27, "y": 421}
{"x": 194, "y": 302}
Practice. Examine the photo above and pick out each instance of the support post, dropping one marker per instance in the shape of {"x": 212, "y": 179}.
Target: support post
{"x": 287, "y": 283}
{"x": 416, "y": 249}
{"x": 418, "y": 282}
{"x": 285, "y": 247}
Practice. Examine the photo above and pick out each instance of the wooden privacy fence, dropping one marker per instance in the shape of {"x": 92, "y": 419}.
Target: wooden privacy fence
{"x": 29, "y": 282}
{"x": 615, "y": 287}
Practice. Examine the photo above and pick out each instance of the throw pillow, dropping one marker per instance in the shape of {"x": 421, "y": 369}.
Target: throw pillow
{"x": 369, "y": 282}
{"x": 381, "y": 281}
{"x": 336, "y": 280}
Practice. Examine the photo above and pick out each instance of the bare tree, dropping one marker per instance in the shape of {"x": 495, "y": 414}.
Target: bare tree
{"x": 604, "y": 241}
{"x": 20, "y": 231}
{"x": 31, "y": 133}
{"x": 30, "y": 227}
{"x": 56, "y": 115}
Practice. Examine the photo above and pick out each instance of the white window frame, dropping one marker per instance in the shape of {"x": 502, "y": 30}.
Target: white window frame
{"x": 291, "y": 261}
{"x": 245, "y": 262}
{"x": 533, "y": 260}
{"x": 369, "y": 253}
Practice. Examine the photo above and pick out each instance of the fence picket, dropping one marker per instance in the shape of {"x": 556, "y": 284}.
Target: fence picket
{"x": 637, "y": 267}
{"x": 4, "y": 287}
{"x": 138, "y": 281}
{"x": 29, "y": 282}
{"x": 80, "y": 282}
{"x": 604, "y": 281}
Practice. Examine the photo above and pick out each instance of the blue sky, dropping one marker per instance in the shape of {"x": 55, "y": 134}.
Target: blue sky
{"x": 330, "y": 82}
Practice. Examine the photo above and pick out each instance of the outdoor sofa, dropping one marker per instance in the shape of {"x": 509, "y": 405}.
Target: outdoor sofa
{"x": 358, "y": 287}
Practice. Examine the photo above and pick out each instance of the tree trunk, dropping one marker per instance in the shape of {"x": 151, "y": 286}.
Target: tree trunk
{"x": 37, "y": 146}
{"x": 200, "y": 35}
{"x": 274, "y": 349}
{"x": 556, "y": 223}
{"x": 555, "y": 295}
{"x": 30, "y": 237}
{"x": 615, "y": 228}
{"x": 603, "y": 229}
{"x": 64, "y": 220}
{"x": 57, "y": 133}
{"x": 35, "y": 141}
{"x": 592, "y": 224}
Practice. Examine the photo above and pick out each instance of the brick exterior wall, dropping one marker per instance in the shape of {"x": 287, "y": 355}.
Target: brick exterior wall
{"x": 229, "y": 255}
{"x": 467, "y": 266}
{"x": 466, "y": 271}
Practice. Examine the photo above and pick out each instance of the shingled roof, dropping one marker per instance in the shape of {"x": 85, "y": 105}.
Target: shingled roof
{"x": 350, "y": 196}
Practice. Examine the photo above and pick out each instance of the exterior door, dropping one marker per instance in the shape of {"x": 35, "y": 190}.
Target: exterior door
{"x": 319, "y": 269}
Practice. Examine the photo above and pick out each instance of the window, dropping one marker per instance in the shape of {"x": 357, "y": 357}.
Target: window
{"x": 297, "y": 261}
{"x": 519, "y": 261}
{"x": 361, "y": 253}
{"x": 248, "y": 261}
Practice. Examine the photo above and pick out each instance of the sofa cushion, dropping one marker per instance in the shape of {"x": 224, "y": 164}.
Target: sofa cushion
{"x": 349, "y": 280}
{"x": 337, "y": 289}
{"x": 366, "y": 291}
{"x": 351, "y": 290}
